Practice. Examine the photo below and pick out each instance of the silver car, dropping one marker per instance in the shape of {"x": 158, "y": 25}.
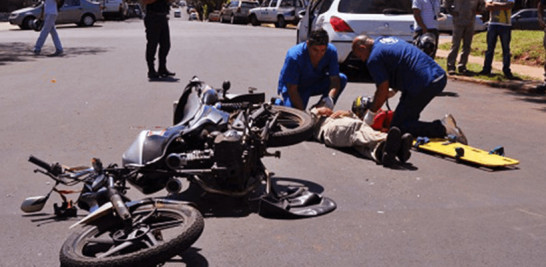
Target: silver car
{"x": 81, "y": 12}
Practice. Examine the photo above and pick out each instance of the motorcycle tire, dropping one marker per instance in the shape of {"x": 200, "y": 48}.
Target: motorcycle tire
{"x": 171, "y": 229}
{"x": 293, "y": 126}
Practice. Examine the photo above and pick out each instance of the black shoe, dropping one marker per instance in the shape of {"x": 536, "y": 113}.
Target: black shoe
{"x": 462, "y": 70}
{"x": 405, "y": 145}
{"x": 165, "y": 73}
{"x": 484, "y": 72}
{"x": 153, "y": 75}
{"x": 392, "y": 145}
{"x": 509, "y": 76}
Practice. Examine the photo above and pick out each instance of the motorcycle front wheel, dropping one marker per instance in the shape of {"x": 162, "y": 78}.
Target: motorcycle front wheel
{"x": 293, "y": 126}
{"x": 159, "y": 232}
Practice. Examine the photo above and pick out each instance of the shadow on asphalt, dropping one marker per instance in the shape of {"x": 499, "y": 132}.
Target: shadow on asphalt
{"x": 21, "y": 52}
{"x": 216, "y": 205}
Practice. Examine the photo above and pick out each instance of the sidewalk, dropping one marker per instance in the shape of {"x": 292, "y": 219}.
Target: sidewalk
{"x": 527, "y": 86}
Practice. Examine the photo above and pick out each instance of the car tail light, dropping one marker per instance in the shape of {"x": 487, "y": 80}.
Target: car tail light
{"x": 340, "y": 25}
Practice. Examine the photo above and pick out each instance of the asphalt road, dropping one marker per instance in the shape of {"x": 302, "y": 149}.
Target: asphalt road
{"x": 433, "y": 212}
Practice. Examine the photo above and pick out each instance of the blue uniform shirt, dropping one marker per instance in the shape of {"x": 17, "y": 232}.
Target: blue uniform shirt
{"x": 297, "y": 68}
{"x": 406, "y": 67}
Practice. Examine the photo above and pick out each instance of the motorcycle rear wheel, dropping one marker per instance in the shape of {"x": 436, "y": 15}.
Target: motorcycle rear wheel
{"x": 293, "y": 126}
{"x": 169, "y": 230}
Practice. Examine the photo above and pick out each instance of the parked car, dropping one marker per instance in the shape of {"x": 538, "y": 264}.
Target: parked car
{"x": 526, "y": 19}
{"x": 346, "y": 19}
{"x": 81, "y": 12}
{"x": 237, "y": 11}
{"x": 114, "y": 9}
{"x": 279, "y": 12}
{"x": 214, "y": 16}
{"x": 446, "y": 25}
{"x": 193, "y": 15}
{"x": 134, "y": 10}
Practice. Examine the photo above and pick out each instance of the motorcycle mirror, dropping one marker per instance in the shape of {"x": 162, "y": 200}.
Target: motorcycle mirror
{"x": 34, "y": 204}
{"x": 226, "y": 85}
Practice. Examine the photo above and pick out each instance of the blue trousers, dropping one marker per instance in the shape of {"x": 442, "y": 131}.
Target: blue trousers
{"x": 407, "y": 113}
{"x": 321, "y": 88}
{"x": 49, "y": 28}
{"x": 505, "y": 35}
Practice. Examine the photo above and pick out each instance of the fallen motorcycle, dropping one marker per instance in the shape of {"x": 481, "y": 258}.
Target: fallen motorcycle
{"x": 217, "y": 143}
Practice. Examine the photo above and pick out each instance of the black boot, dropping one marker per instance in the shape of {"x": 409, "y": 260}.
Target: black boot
{"x": 163, "y": 72}
{"x": 404, "y": 153}
{"x": 392, "y": 145}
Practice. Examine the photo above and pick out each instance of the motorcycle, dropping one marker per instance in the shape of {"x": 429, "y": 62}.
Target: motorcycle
{"x": 216, "y": 142}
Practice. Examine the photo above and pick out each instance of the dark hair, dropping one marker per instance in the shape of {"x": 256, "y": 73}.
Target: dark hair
{"x": 318, "y": 37}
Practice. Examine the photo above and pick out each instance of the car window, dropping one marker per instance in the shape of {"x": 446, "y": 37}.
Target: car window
{"x": 375, "y": 7}
{"x": 265, "y": 3}
{"x": 287, "y": 3}
{"x": 247, "y": 4}
{"x": 273, "y": 3}
{"x": 234, "y": 4}
{"x": 72, "y": 2}
{"x": 325, "y": 6}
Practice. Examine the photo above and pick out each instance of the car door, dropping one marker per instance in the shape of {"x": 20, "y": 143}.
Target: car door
{"x": 262, "y": 11}
{"x": 71, "y": 12}
{"x": 314, "y": 9}
{"x": 271, "y": 12}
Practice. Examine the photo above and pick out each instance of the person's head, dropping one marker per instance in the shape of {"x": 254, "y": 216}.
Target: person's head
{"x": 362, "y": 46}
{"x": 317, "y": 44}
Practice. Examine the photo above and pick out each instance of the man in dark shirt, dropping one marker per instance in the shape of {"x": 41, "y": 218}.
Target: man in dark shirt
{"x": 157, "y": 33}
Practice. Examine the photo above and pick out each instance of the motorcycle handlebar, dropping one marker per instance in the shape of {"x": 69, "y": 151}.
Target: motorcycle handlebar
{"x": 40, "y": 163}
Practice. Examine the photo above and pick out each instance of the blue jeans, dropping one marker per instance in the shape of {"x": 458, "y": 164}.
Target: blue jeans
{"x": 49, "y": 27}
{"x": 505, "y": 35}
{"x": 320, "y": 88}
{"x": 407, "y": 113}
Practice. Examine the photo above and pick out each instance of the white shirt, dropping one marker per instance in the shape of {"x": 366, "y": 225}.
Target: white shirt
{"x": 50, "y": 7}
{"x": 429, "y": 12}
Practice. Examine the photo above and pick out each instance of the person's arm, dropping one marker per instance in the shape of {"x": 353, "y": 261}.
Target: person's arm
{"x": 419, "y": 19}
{"x": 379, "y": 98}
{"x": 540, "y": 10}
{"x": 335, "y": 86}
{"x": 498, "y": 5}
{"x": 295, "y": 97}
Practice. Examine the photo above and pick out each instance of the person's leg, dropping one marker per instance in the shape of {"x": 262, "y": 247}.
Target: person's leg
{"x": 49, "y": 23}
{"x": 505, "y": 33}
{"x": 56, "y": 39}
{"x": 164, "y": 47}
{"x": 467, "y": 35}
{"x": 407, "y": 113}
{"x": 489, "y": 53}
{"x": 454, "y": 51}
{"x": 437, "y": 35}
{"x": 152, "y": 38}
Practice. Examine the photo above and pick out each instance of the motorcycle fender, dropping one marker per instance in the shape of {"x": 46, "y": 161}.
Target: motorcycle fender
{"x": 100, "y": 212}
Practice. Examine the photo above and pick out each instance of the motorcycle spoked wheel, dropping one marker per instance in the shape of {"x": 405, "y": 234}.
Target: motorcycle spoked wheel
{"x": 169, "y": 231}
{"x": 293, "y": 126}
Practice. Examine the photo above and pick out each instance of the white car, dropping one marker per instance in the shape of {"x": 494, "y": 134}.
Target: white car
{"x": 346, "y": 19}
{"x": 279, "y": 12}
{"x": 446, "y": 25}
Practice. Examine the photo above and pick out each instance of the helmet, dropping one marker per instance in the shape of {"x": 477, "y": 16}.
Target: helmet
{"x": 37, "y": 24}
{"x": 427, "y": 43}
{"x": 360, "y": 105}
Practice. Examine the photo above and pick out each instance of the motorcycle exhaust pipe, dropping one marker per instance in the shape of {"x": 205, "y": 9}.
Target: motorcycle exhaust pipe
{"x": 175, "y": 161}
{"x": 173, "y": 186}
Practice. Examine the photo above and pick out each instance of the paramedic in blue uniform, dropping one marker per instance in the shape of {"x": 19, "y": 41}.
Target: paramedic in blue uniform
{"x": 397, "y": 64}
{"x": 310, "y": 69}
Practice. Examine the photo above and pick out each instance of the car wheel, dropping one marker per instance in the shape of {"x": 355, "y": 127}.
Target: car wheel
{"x": 254, "y": 21}
{"x": 27, "y": 23}
{"x": 87, "y": 20}
{"x": 281, "y": 23}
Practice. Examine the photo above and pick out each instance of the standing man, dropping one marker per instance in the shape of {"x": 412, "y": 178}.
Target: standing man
{"x": 157, "y": 33}
{"x": 311, "y": 68}
{"x": 425, "y": 14}
{"x": 500, "y": 26}
{"x": 540, "y": 8}
{"x": 50, "y": 9}
{"x": 394, "y": 63}
{"x": 464, "y": 16}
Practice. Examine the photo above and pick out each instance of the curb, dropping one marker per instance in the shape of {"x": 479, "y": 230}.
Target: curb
{"x": 526, "y": 86}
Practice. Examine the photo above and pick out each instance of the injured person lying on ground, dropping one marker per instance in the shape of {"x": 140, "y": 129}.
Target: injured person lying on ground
{"x": 343, "y": 128}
